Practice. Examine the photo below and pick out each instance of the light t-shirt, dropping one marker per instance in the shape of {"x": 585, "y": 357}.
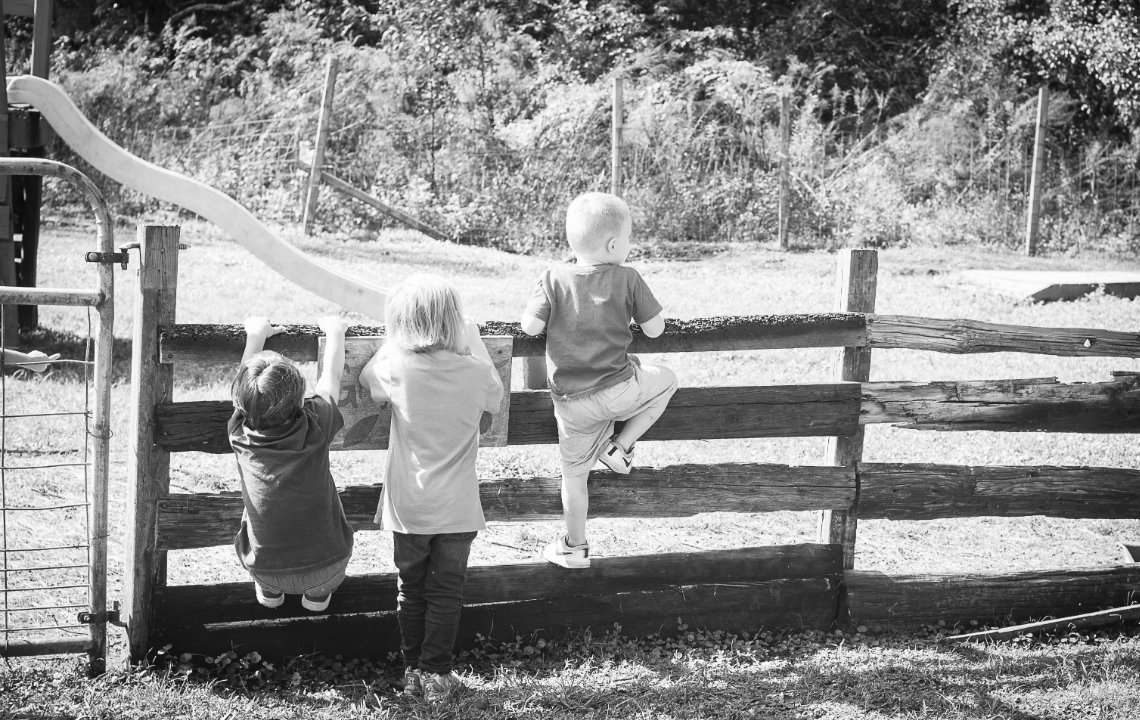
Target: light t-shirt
{"x": 293, "y": 519}
{"x": 437, "y": 398}
{"x": 587, "y": 309}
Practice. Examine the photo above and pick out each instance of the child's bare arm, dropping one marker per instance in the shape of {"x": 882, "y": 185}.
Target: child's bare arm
{"x": 532, "y": 325}
{"x": 33, "y": 360}
{"x": 328, "y": 384}
{"x": 654, "y": 326}
{"x": 257, "y": 331}
{"x": 372, "y": 383}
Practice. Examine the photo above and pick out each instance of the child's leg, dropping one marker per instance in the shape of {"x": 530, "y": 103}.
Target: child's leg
{"x": 443, "y": 592}
{"x": 583, "y": 431}
{"x": 410, "y": 554}
{"x": 656, "y": 385}
{"x": 575, "y": 503}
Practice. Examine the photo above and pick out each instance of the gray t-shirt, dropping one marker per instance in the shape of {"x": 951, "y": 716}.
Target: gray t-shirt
{"x": 587, "y": 309}
{"x": 293, "y": 519}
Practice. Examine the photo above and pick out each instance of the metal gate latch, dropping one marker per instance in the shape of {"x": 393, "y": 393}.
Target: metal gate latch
{"x": 107, "y": 616}
{"x": 120, "y": 257}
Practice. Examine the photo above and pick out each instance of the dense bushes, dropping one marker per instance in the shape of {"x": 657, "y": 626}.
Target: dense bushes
{"x": 911, "y": 122}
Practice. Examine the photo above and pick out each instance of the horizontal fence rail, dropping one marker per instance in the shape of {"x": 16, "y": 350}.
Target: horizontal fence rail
{"x": 895, "y": 491}
{"x": 1025, "y": 405}
{"x": 188, "y": 343}
{"x": 207, "y": 519}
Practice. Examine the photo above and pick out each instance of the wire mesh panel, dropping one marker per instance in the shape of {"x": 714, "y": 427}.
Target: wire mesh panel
{"x": 45, "y": 502}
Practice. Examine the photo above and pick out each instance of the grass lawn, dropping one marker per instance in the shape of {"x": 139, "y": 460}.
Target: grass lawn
{"x": 800, "y": 675}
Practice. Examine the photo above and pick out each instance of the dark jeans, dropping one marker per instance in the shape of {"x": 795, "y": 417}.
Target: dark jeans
{"x": 432, "y": 569}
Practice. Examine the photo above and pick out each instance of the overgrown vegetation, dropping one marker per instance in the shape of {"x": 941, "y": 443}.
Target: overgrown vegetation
{"x": 911, "y": 121}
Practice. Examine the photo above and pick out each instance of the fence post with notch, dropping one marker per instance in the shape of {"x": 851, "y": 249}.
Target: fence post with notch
{"x": 147, "y": 463}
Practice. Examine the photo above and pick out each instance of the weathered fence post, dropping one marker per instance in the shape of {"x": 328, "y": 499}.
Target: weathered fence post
{"x": 312, "y": 185}
{"x": 148, "y": 465}
{"x": 1033, "y": 219}
{"x": 615, "y": 138}
{"x": 785, "y": 170}
{"x": 857, "y": 282}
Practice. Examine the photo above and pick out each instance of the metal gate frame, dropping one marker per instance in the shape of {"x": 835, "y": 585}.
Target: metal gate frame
{"x": 102, "y": 300}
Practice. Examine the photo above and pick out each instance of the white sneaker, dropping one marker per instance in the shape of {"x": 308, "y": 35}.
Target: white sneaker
{"x": 317, "y": 604}
{"x": 268, "y": 599}
{"x": 573, "y": 557}
{"x": 617, "y": 458}
{"x": 438, "y": 686}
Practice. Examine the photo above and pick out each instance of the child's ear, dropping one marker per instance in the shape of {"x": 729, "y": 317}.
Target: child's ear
{"x": 611, "y": 246}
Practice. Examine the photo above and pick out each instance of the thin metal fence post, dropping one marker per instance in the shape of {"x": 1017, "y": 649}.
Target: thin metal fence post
{"x": 1033, "y": 220}
{"x": 312, "y": 185}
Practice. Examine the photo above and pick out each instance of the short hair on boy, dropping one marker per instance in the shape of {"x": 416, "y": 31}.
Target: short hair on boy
{"x": 269, "y": 389}
{"x": 424, "y": 314}
{"x": 592, "y": 218}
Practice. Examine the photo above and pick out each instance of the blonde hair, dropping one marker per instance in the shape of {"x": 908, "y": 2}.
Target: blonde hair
{"x": 269, "y": 389}
{"x": 593, "y": 218}
{"x": 425, "y": 314}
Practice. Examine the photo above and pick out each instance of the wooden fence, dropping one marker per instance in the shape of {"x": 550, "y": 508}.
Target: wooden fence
{"x": 811, "y": 584}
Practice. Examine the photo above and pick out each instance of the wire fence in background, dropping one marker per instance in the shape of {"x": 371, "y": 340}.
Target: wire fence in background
{"x": 689, "y": 181}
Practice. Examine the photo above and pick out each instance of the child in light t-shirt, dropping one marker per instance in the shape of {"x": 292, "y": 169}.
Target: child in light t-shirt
{"x": 438, "y": 376}
{"x": 585, "y": 309}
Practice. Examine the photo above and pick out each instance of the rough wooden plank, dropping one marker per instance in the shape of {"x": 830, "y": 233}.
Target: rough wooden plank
{"x": 190, "y": 343}
{"x": 911, "y": 600}
{"x": 736, "y": 607}
{"x": 1022, "y": 405}
{"x": 366, "y": 424}
{"x": 926, "y": 491}
{"x": 858, "y": 276}
{"x": 1100, "y": 618}
{"x": 693, "y": 414}
{"x": 209, "y": 519}
{"x": 234, "y": 602}
{"x": 148, "y": 466}
{"x": 972, "y": 336}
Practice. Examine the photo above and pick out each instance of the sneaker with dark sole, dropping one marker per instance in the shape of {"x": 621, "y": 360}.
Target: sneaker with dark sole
{"x": 268, "y": 598}
{"x": 316, "y": 604}
{"x": 413, "y": 682}
{"x": 617, "y": 458}
{"x": 573, "y": 557}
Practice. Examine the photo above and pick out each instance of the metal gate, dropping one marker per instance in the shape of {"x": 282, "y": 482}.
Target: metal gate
{"x": 54, "y": 536}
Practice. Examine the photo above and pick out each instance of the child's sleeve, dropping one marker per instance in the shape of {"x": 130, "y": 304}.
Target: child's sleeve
{"x": 538, "y": 306}
{"x": 492, "y": 389}
{"x": 645, "y": 305}
{"x": 373, "y": 377}
{"x": 327, "y": 414}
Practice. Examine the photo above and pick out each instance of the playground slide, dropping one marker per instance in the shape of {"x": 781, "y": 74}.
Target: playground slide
{"x": 212, "y": 204}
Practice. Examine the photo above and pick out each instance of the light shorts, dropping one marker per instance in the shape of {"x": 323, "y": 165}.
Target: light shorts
{"x": 585, "y": 424}
{"x": 315, "y": 583}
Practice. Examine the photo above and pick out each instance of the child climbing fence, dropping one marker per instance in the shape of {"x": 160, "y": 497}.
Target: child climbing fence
{"x": 809, "y": 584}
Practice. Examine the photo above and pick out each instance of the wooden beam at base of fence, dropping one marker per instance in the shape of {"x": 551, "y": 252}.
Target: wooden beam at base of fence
{"x": 1100, "y": 618}
{"x": 903, "y": 601}
{"x": 199, "y": 520}
{"x": 972, "y": 336}
{"x": 234, "y": 602}
{"x": 900, "y": 491}
{"x": 737, "y": 607}
{"x": 693, "y": 414}
{"x": 193, "y": 344}
{"x": 1021, "y": 405}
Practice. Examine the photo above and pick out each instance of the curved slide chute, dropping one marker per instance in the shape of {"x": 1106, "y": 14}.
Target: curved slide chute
{"x": 217, "y": 207}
